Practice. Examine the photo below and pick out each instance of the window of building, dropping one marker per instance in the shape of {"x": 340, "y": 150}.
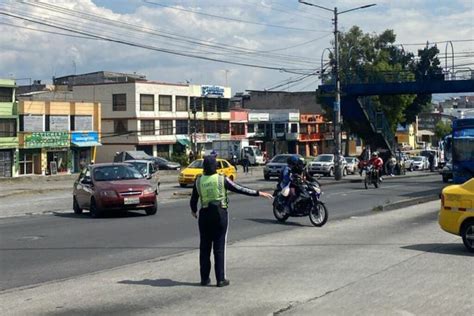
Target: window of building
{"x": 304, "y": 129}
{"x": 181, "y": 103}
{"x": 181, "y": 127}
{"x": 119, "y": 102}
{"x": 7, "y": 128}
{"x": 251, "y": 128}
{"x": 196, "y": 103}
{"x": 31, "y": 123}
{"x": 26, "y": 163}
{"x": 165, "y": 102}
{"x": 147, "y": 127}
{"x": 209, "y": 105}
{"x": 6, "y": 94}
{"x": 147, "y": 102}
{"x": 279, "y": 128}
{"x": 81, "y": 123}
{"x": 223, "y": 127}
{"x": 294, "y": 128}
{"x": 120, "y": 126}
{"x": 57, "y": 123}
{"x": 223, "y": 105}
{"x": 166, "y": 127}
{"x": 237, "y": 128}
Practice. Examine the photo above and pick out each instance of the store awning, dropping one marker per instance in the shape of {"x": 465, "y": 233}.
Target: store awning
{"x": 86, "y": 144}
{"x": 184, "y": 141}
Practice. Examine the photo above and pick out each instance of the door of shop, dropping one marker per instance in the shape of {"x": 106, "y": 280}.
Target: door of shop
{"x": 5, "y": 164}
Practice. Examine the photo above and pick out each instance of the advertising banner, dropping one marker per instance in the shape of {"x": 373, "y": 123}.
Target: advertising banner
{"x": 259, "y": 117}
{"x": 47, "y": 139}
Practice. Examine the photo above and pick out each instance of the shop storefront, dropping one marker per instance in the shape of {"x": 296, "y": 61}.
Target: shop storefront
{"x": 45, "y": 153}
{"x": 6, "y": 163}
{"x": 82, "y": 148}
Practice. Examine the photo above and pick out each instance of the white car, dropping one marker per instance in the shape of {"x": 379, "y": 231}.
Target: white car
{"x": 324, "y": 164}
{"x": 420, "y": 163}
{"x": 352, "y": 164}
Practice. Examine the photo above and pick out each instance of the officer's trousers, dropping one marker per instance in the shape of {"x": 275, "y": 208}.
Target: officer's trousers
{"x": 213, "y": 222}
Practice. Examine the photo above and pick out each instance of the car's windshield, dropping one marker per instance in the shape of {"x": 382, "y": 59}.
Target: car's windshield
{"x": 323, "y": 158}
{"x": 349, "y": 159}
{"x": 280, "y": 159}
{"x": 140, "y": 166}
{"x": 257, "y": 151}
{"x": 417, "y": 158}
{"x": 110, "y": 173}
{"x": 196, "y": 164}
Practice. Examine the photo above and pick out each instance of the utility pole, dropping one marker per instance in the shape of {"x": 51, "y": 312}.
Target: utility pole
{"x": 337, "y": 90}
{"x": 194, "y": 145}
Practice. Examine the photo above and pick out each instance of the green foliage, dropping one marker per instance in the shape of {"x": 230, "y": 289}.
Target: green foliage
{"x": 442, "y": 129}
{"x": 180, "y": 158}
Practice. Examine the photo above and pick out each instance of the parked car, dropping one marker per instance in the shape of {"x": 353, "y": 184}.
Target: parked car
{"x": 276, "y": 165}
{"x": 408, "y": 161}
{"x": 148, "y": 170}
{"x": 189, "y": 174}
{"x": 115, "y": 187}
{"x": 164, "y": 164}
{"x": 324, "y": 164}
{"x": 420, "y": 163}
{"x": 456, "y": 215}
{"x": 447, "y": 172}
{"x": 352, "y": 164}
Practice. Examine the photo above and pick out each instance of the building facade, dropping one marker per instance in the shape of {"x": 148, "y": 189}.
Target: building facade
{"x": 8, "y": 129}
{"x": 158, "y": 118}
{"x": 57, "y": 137}
{"x": 311, "y": 137}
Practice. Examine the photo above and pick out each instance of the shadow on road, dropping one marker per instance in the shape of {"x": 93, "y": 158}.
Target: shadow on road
{"x": 86, "y": 215}
{"x": 273, "y": 222}
{"x": 456, "y": 249}
{"x": 159, "y": 283}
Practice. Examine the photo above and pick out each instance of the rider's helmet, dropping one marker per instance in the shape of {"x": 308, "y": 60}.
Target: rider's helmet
{"x": 375, "y": 154}
{"x": 292, "y": 161}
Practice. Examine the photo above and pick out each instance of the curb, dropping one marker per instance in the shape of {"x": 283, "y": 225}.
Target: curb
{"x": 409, "y": 202}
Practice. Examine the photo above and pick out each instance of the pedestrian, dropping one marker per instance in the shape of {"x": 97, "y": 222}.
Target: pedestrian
{"x": 211, "y": 189}
{"x": 191, "y": 156}
{"x": 246, "y": 163}
{"x": 392, "y": 162}
{"x": 431, "y": 159}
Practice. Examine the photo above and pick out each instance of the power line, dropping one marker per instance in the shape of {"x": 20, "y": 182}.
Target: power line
{"x": 231, "y": 19}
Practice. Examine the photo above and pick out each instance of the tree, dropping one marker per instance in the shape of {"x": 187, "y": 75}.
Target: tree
{"x": 442, "y": 129}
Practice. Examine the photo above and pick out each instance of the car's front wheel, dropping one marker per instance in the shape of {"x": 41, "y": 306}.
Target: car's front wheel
{"x": 152, "y": 210}
{"x": 183, "y": 185}
{"x": 266, "y": 177}
{"x": 467, "y": 234}
{"x": 75, "y": 206}
{"x": 95, "y": 210}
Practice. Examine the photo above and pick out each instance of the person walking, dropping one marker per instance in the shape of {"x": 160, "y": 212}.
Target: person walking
{"x": 246, "y": 163}
{"x": 211, "y": 189}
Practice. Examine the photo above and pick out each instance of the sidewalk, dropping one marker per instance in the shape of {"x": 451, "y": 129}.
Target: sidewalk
{"x": 335, "y": 270}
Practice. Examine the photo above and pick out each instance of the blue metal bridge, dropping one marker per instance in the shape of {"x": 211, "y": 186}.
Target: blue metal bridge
{"x": 358, "y": 111}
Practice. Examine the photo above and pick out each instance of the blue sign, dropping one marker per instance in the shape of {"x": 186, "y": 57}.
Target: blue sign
{"x": 84, "y": 137}
{"x": 215, "y": 91}
{"x": 337, "y": 106}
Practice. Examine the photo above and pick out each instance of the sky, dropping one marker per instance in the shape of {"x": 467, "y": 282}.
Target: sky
{"x": 244, "y": 44}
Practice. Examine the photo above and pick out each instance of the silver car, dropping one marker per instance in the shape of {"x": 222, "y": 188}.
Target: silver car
{"x": 276, "y": 165}
{"x": 352, "y": 164}
{"x": 148, "y": 170}
{"x": 324, "y": 164}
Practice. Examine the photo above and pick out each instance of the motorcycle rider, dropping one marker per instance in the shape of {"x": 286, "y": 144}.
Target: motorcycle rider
{"x": 377, "y": 162}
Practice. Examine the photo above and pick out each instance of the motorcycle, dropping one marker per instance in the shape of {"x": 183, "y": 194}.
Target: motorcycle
{"x": 306, "y": 204}
{"x": 371, "y": 177}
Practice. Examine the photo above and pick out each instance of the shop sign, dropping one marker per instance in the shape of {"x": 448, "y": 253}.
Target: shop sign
{"x": 207, "y": 138}
{"x": 294, "y": 117}
{"x": 84, "y": 137}
{"x": 47, "y": 139}
{"x": 212, "y": 91}
{"x": 259, "y": 117}
{"x": 285, "y": 117}
{"x": 311, "y": 118}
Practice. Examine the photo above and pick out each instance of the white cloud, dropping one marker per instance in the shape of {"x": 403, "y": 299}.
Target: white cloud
{"x": 38, "y": 55}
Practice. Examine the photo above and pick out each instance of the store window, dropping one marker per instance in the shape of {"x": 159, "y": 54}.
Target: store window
{"x": 26, "y": 163}
{"x": 120, "y": 126}
{"x": 237, "y": 129}
{"x": 57, "y": 123}
{"x": 31, "y": 123}
{"x": 119, "y": 102}
{"x": 81, "y": 123}
{"x": 279, "y": 128}
{"x": 181, "y": 127}
{"x": 304, "y": 129}
{"x": 251, "y": 128}
{"x": 147, "y": 127}
{"x": 294, "y": 128}
{"x": 147, "y": 102}
{"x": 7, "y": 128}
{"x": 181, "y": 104}
{"x": 165, "y": 102}
{"x": 166, "y": 127}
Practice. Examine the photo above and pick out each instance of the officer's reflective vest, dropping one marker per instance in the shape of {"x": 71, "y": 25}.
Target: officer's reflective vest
{"x": 212, "y": 189}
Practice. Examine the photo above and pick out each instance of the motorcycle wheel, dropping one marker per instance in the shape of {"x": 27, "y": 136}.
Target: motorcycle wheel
{"x": 319, "y": 214}
{"x": 377, "y": 182}
{"x": 280, "y": 216}
{"x": 366, "y": 182}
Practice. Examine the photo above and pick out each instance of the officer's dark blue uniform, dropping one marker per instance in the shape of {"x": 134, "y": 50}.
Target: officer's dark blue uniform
{"x": 211, "y": 188}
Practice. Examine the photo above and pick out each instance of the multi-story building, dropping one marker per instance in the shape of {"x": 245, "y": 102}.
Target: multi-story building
{"x": 158, "y": 118}
{"x": 8, "y": 129}
{"x": 311, "y": 138}
{"x": 57, "y": 137}
{"x": 238, "y": 124}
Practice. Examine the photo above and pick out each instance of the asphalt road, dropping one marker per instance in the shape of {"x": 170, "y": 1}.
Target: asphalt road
{"x": 41, "y": 248}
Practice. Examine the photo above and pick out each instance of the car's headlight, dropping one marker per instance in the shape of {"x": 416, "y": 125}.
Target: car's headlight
{"x": 148, "y": 190}
{"x": 108, "y": 193}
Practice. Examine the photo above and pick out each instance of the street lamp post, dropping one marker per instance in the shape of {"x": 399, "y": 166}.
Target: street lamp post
{"x": 337, "y": 90}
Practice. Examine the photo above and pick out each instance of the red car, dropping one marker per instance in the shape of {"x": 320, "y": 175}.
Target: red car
{"x": 115, "y": 187}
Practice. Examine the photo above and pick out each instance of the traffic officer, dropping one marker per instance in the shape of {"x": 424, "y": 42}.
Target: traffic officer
{"x": 211, "y": 189}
